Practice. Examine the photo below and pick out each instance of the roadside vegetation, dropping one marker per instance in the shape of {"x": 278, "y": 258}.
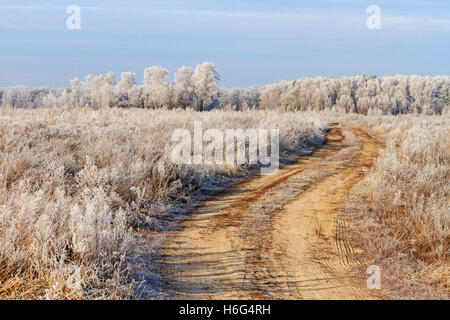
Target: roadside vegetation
{"x": 402, "y": 210}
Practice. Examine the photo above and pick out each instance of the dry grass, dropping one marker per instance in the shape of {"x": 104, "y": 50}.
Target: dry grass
{"x": 402, "y": 211}
{"x": 76, "y": 184}
{"x": 410, "y": 188}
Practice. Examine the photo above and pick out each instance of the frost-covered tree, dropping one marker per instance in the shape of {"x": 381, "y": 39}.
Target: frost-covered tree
{"x": 239, "y": 98}
{"x": 184, "y": 88}
{"x": 205, "y": 80}
{"x": 75, "y": 98}
{"x": 156, "y": 89}
{"x": 107, "y": 90}
{"x": 271, "y": 96}
{"x": 126, "y": 92}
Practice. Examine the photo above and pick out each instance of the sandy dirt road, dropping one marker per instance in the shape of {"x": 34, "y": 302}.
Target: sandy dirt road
{"x": 277, "y": 236}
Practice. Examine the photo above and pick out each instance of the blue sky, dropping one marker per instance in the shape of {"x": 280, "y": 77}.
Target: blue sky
{"x": 251, "y": 42}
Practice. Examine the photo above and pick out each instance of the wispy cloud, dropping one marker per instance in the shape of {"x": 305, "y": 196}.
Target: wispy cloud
{"x": 143, "y": 10}
{"x": 392, "y": 21}
{"x": 417, "y": 22}
{"x": 29, "y": 7}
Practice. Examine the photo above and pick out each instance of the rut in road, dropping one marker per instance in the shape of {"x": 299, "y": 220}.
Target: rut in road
{"x": 276, "y": 236}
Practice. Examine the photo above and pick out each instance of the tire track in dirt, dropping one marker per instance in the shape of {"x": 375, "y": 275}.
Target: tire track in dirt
{"x": 276, "y": 236}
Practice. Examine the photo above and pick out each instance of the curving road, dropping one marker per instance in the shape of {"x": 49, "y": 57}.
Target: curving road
{"x": 277, "y": 236}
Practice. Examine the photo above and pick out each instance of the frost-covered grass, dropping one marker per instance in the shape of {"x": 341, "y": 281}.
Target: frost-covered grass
{"x": 76, "y": 186}
{"x": 402, "y": 219}
{"x": 76, "y": 183}
{"x": 410, "y": 187}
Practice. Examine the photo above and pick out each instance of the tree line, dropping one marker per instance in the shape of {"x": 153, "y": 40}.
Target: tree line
{"x": 198, "y": 89}
{"x": 361, "y": 94}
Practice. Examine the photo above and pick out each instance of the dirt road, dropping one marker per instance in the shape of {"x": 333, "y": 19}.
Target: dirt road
{"x": 277, "y": 236}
